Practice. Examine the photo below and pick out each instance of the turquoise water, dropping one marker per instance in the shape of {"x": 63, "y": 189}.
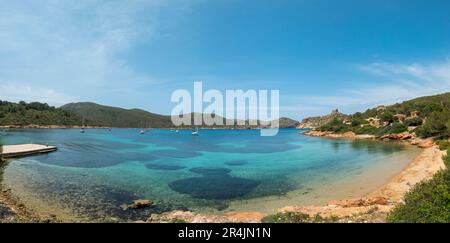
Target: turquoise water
{"x": 93, "y": 173}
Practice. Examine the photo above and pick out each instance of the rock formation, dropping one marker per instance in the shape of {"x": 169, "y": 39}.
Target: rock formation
{"x": 314, "y": 122}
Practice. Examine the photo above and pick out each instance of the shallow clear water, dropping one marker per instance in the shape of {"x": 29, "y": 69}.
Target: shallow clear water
{"x": 92, "y": 174}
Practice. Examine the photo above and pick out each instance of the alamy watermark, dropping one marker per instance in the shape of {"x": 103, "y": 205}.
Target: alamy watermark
{"x": 238, "y": 107}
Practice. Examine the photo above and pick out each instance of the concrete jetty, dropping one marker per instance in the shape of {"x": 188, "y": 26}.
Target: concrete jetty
{"x": 14, "y": 151}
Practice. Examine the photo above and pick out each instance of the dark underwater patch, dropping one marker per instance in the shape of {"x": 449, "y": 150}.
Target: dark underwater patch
{"x": 176, "y": 153}
{"x": 157, "y": 166}
{"x": 97, "y": 202}
{"x": 211, "y": 171}
{"x": 236, "y": 162}
{"x": 214, "y": 187}
{"x": 278, "y": 185}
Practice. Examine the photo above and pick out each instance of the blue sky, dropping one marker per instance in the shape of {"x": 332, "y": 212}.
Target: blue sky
{"x": 321, "y": 55}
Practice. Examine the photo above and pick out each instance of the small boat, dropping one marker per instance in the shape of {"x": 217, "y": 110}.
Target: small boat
{"x": 143, "y": 129}
{"x": 82, "y": 126}
{"x": 195, "y": 132}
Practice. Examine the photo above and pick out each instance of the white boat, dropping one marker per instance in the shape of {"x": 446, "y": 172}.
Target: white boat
{"x": 82, "y": 125}
{"x": 142, "y": 131}
{"x": 195, "y": 133}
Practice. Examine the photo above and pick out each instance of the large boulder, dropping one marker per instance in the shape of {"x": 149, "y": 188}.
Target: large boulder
{"x": 349, "y": 135}
{"x": 399, "y": 136}
{"x": 427, "y": 143}
{"x": 138, "y": 204}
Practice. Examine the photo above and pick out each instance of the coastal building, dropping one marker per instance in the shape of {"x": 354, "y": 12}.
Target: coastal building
{"x": 347, "y": 122}
{"x": 374, "y": 121}
{"x": 415, "y": 114}
{"x": 399, "y": 117}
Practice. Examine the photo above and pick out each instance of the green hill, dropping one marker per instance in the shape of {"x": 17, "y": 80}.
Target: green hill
{"x": 100, "y": 115}
{"x": 92, "y": 114}
{"x": 34, "y": 113}
{"x": 429, "y": 116}
{"x": 285, "y": 122}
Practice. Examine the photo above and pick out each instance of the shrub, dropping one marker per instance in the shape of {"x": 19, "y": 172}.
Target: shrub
{"x": 289, "y": 217}
{"x": 437, "y": 124}
{"x": 387, "y": 116}
{"x": 356, "y": 122}
{"x": 178, "y": 221}
{"x": 335, "y": 125}
{"x": 414, "y": 122}
{"x": 447, "y": 160}
{"x": 394, "y": 128}
{"x": 443, "y": 144}
{"x": 365, "y": 130}
{"x": 427, "y": 202}
{"x": 319, "y": 219}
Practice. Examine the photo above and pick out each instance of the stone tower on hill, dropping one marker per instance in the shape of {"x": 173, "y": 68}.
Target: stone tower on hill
{"x": 314, "y": 122}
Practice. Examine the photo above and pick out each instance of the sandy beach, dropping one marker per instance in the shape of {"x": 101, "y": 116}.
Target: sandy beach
{"x": 375, "y": 206}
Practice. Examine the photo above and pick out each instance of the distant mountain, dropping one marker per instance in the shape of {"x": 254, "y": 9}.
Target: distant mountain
{"x": 100, "y": 115}
{"x": 96, "y": 115}
{"x": 285, "y": 122}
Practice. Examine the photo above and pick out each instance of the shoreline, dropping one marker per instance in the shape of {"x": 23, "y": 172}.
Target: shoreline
{"x": 372, "y": 207}
{"x": 404, "y": 136}
{"x": 224, "y": 127}
{"x": 375, "y": 206}
{"x": 150, "y": 128}
{"x": 12, "y": 210}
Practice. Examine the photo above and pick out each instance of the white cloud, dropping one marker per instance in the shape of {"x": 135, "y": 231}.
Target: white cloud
{"x": 400, "y": 82}
{"x": 16, "y": 93}
{"x": 77, "y": 48}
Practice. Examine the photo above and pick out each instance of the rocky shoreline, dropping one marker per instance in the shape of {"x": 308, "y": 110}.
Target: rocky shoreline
{"x": 404, "y": 136}
{"x": 13, "y": 211}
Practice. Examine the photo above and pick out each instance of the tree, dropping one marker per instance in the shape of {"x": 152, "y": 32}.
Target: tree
{"x": 387, "y": 116}
{"x": 335, "y": 125}
{"x": 437, "y": 124}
